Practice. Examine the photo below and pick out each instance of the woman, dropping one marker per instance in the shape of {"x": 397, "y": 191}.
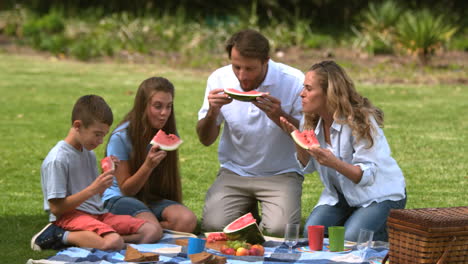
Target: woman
{"x": 147, "y": 183}
{"x": 362, "y": 182}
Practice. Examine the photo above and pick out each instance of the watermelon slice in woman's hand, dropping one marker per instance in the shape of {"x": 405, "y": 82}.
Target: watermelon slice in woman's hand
{"x": 166, "y": 142}
{"x": 107, "y": 164}
{"x": 305, "y": 139}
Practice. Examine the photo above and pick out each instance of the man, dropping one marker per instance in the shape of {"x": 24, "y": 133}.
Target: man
{"x": 256, "y": 156}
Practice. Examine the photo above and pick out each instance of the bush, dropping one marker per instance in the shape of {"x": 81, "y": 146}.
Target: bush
{"x": 377, "y": 28}
{"x": 46, "y": 33}
{"x": 421, "y": 34}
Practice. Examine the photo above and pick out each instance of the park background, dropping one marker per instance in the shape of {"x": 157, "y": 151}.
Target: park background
{"x": 408, "y": 57}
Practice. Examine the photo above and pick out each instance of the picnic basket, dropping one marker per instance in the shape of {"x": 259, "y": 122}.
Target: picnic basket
{"x": 428, "y": 235}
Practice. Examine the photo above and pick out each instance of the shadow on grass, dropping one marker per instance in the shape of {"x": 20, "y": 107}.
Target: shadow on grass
{"x": 16, "y": 234}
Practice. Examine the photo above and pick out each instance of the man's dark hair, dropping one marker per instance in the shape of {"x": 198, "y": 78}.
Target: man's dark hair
{"x": 92, "y": 108}
{"x": 249, "y": 43}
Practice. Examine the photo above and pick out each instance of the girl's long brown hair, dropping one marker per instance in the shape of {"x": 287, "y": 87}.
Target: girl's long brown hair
{"x": 164, "y": 182}
{"x": 346, "y": 104}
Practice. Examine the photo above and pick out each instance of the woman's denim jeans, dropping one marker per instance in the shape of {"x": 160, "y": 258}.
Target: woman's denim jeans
{"x": 373, "y": 217}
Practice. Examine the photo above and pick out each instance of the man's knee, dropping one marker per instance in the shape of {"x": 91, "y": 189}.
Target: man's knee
{"x": 212, "y": 223}
{"x": 274, "y": 228}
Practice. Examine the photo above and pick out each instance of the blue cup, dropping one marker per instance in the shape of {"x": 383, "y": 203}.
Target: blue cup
{"x": 195, "y": 245}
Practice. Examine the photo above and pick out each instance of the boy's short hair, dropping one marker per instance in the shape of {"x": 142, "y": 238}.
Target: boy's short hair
{"x": 92, "y": 108}
{"x": 249, "y": 43}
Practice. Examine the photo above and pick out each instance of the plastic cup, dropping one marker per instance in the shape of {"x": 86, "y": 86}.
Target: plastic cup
{"x": 195, "y": 245}
{"x": 336, "y": 238}
{"x": 315, "y": 235}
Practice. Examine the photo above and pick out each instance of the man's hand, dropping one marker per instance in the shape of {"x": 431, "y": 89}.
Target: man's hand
{"x": 217, "y": 98}
{"x": 270, "y": 105}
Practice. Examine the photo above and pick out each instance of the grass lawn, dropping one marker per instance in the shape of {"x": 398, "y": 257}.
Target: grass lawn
{"x": 425, "y": 126}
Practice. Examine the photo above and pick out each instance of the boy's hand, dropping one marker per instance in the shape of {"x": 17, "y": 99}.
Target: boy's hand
{"x": 102, "y": 182}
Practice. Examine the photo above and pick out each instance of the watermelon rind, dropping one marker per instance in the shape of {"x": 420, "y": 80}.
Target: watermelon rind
{"x": 242, "y": 97}
{"x": 296, "y": 137}
{"x": 169, "y": 148}
{"x": 250, "y": 233}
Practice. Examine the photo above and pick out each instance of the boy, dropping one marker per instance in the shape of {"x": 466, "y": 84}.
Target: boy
{"x": 72, "y": 188}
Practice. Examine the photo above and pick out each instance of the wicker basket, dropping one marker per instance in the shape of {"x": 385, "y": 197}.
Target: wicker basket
{"x": 428, "y": 235}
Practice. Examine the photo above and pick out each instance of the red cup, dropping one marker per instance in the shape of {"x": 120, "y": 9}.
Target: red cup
{"x": 315, "y": 234}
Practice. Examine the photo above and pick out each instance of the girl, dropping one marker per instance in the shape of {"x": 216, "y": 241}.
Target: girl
{"x": 147, "y": 183}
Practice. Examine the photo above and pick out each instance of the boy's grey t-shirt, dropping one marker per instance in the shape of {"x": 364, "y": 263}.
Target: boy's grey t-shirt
{"x": 66, "y": 171}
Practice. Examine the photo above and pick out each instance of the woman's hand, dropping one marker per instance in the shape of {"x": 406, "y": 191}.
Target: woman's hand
{"x": 286, "y": 125}
{"x": 154, "y": 157}
{"x": 324, "y": 156}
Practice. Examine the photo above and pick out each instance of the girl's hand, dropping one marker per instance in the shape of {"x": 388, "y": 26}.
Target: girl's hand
{"x": 115, "y": 160}
{"x": 154, "y": 157}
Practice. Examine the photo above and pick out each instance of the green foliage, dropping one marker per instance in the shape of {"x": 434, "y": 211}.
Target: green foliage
{"x": 377, "y": 27}
{"x": 12, "y": 21}
{"x": 421, "y": 33}
{"x": 46, "y": 32}
{"x": 388, "y": 28}
{"x": 459, "y": 42}
{"x": 193, "y": 42}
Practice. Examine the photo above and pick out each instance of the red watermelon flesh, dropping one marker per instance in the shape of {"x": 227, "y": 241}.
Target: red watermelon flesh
{"x": 244, "y": 228}
{"x": 305, "y": 139}
{"x": 166, "y": 142}
{"x": 107, "y": 164}
{"x": 250, "y": 93}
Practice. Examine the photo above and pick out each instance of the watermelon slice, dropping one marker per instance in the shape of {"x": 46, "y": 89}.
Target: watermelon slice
{"x": 107, "y": 164}
{"x": 241, "y": 95}
{"x": 305, "y": 139}
{"x": 166, "y": 142}
{"x": 244, "y": 228}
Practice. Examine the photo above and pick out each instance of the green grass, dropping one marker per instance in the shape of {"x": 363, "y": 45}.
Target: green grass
{"x": 425, "y": 126}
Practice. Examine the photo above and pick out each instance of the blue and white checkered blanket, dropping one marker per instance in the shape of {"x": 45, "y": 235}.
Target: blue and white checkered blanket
{"x": 275, "y": 253}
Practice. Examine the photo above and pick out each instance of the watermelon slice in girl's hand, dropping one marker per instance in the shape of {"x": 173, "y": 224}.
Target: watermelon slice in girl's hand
{"x": 107, "y": 164}
{"x": 305, "y": 139}
{"x": 166, "y": 142}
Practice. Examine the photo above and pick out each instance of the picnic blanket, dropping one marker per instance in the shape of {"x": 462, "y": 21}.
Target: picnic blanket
{"x": 275, "y": 253}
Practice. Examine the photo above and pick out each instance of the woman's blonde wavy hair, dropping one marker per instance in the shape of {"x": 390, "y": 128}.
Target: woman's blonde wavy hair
{"x": 346, "y": 104}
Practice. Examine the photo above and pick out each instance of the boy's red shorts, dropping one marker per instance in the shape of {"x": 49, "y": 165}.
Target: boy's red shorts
{"x": 101, "y": 224}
